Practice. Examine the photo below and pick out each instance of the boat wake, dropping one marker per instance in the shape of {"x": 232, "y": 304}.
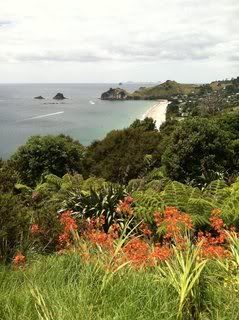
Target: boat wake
{"x": 43, "y": 116}
{"x": 91, "y": 102}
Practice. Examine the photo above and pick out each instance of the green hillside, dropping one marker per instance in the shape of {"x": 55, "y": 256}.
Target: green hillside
{"x": 165, "y": 90}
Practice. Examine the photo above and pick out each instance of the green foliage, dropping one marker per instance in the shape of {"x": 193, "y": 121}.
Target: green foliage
{"x": 135, "y": 184}
{"x": 15, "y": 219}
{"x": 96, "y": 203}
{"x": 8, "y": 177}
{"x": 66, "y": 288}
{"x": 147, "y": 124}
{"x": 184, "y": 273}
{"x": 120, "y": 156}
{"x": 42, "y": 155}
{"x": 198, "y": 151}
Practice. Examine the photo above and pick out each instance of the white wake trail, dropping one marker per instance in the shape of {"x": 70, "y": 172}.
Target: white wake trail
{"x": 43, "y": 116}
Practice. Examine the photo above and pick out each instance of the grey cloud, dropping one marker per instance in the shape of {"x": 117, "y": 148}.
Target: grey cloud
{"x": 188, "y": 46}
{"x": 234, "y": 57}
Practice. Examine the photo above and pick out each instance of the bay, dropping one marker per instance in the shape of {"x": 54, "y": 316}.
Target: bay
{"x": 83, "y": 115}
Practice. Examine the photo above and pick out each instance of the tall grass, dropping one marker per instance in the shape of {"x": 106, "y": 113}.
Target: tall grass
{"x": 65, "y": 288}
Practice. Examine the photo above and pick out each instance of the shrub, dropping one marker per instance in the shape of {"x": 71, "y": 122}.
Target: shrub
{"x": 42, "y": 155}
{"x": 14, "y": 226}
{"x": 120, "y": 156}
{"x": 198, "y": 151}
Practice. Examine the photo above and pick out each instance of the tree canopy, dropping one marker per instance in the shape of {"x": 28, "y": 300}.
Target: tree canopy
{"x": 198, "y": 151}
{"x": 120, "y": 156}
{"x": 48, "y": 154}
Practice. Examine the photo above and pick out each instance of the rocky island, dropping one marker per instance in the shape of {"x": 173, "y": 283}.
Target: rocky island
{"x": 59, "y": 96}
{"x": 115, "y": 94}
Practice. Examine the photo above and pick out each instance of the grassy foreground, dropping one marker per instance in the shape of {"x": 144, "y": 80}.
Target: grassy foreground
{"x": 65, "y": 287}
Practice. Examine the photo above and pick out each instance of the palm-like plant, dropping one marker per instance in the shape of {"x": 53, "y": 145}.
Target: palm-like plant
{"x": 96, "y": 203}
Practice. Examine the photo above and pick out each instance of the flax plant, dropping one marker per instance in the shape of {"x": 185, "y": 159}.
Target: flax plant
{"x": 183, "y": 273}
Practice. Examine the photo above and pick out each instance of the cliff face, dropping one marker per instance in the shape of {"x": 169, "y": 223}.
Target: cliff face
{"x": 115, "y": 94}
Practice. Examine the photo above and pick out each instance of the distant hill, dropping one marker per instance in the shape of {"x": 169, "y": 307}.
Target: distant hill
{"x": 172, "y": 90}
{"x": 165, "y": 90}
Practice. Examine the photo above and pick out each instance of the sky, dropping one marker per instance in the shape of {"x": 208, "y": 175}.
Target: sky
{"x": 81, "y": 41}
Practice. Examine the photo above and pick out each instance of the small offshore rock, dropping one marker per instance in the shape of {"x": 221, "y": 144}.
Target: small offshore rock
{"x": 39, "y": 97}
{"x": 59, "y": 96}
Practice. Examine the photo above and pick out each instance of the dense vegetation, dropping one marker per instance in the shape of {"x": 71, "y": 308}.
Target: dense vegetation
{"x": 143, "y": 217}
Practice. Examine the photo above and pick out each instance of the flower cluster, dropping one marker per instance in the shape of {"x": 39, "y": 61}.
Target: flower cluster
{"x": 69, "y": 225}
{"x": 19, "y": 260}
{"x": 140, "y": 254}
{"x": 100, "y": 238}
{"x": 137, "y": 252}
{"x": 176, "y": 223}
{"x": 124, "y": 206}
{"x": 212, "y": 241}
{"x": 35, "y": 229}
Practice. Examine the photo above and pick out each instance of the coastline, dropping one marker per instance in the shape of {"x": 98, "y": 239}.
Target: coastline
{"x": 158, "y": 112}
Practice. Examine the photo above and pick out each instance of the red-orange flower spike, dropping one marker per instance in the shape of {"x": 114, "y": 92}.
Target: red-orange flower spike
{"x": 125, "y": 206}
{"x": 19, "y": 259}
{"x": 161, "y": 253}
{"x": 68, "y": 222}
{"x": 35, "y": 229}
{"x": 137, "y": 251}
{"x": 214, "y": 251}
{"x": 145, "y": 229}
{"x": 175, "y": 222}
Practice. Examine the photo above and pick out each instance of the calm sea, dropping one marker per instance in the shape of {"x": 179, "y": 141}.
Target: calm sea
{"x": 83, "y": 115}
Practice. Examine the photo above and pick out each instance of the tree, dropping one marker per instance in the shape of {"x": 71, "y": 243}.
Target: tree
{"x": 147, "y": 124}
{"x": 8, "y": 177}
{"x": 42, "y": 155}
{"x": 120, "y": 156}
{"x": 198, "y": 151}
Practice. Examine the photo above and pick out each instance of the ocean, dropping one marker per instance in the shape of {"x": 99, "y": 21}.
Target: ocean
{"x": 83, "y": 115}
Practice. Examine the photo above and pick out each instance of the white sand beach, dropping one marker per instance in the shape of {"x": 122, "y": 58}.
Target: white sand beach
{"x": 158, "y": 112}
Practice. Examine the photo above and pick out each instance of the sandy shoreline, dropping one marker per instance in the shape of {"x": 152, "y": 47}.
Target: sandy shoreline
{"x": 158, "y": 112}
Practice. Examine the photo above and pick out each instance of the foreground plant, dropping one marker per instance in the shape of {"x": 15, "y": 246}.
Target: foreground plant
{"x": 183, "y": 272}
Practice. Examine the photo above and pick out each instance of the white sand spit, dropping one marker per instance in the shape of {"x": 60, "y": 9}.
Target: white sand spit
{"x": 158, "y": 112}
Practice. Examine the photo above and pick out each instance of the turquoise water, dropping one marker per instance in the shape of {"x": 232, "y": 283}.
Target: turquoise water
{"x": 83, "y": 115}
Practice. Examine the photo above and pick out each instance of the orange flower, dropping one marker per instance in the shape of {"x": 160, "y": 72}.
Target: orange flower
{"x": 68, "y": 222}
{"x": 69, "y": 225}
{"x": 101, "y": 238}
{"x": 214, "y": 251}
{"x": 175, "y": 222}
{"x": 145, "y": 229}
{"x": 19, "y": 259}
{"x": 161, "y": 253}
{"x": 137, "y": 252}
{"x": 35, "y": 229}
{"x": 124, "y": 206}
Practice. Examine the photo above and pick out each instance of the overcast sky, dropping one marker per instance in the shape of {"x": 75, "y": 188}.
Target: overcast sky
{"x": 112, "y": 41}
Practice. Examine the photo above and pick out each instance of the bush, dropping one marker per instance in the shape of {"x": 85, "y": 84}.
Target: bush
{"x": 8, "y": 177}
{"x": 42, "y": 155}
{"x": 198, "y": 151}
{"x": 120, "y": 156}
{"x": 14, "y": 226}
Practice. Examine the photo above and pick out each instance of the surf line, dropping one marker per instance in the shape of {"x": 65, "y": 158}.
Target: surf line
{"x": 44, "y": 116}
